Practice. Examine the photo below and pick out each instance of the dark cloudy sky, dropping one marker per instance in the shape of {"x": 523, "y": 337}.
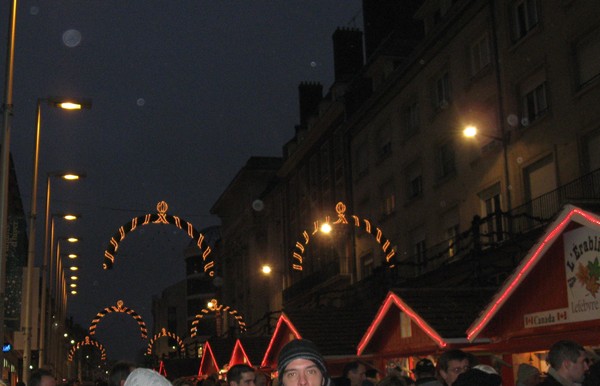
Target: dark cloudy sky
{"x": 184, "y": 92}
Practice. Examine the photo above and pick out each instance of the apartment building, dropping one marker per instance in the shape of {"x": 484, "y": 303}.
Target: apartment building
{"x": 386, "y": 142}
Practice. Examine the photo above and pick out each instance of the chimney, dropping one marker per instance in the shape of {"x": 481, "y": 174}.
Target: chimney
{"x": 347, "y": 53}
{"x": 382, "y": 17}
{"x": 310, "y": 95}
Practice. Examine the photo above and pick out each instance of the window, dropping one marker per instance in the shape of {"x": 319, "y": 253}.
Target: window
{"x": 590, "y": 145}
{"x": 414, "y": 181}
{"x": 587, "y": 52}
{"x": 540, "y": 178}
{"x": 442, "y": 91}
{"x": 490, "y": 211}
{"x": 525, "y": 17}
{"x": 410, "y": 120}
{"x": 450, "y": 222}
{"x": 388, "y": 199}
{"x": 534, "y": 98}
{"x": 535, "y": 104}
{"x": 445, "y": 160}
{"x": 480, "y": 54}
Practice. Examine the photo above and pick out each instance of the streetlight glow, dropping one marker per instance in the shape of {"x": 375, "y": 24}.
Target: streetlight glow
{"x": 73, "y": 268}
{"x": 266, "y": 269}
{"x": 73, "y": 285}
{"x": 70, "y": 106}
{"x": 326, "y": 228}
{"x": 470, "y": 131}
{"x": 72, "y": 239}
{"x": 71, "y": 176}
{"x": 72, "y": 256}
{"x": 70, "y": 217}
{"x": 74, "y": 277}
{"x": 73, "y": 292}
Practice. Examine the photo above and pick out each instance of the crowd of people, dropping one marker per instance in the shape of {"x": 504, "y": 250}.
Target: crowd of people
{"x": 301, "y": 364}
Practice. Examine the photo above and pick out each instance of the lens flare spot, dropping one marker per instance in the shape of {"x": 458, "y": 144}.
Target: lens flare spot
{"x": 71, "y": 38}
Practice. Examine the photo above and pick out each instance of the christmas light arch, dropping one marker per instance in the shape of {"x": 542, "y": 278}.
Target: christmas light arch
{"x": 364, "y": 224}
{"x": 87, "y": 341}
{"x": 164, "y": 333}
{"x": 120, "y": 308}
{"x": 157, "y": 218}
{"x": 217, "y": 308}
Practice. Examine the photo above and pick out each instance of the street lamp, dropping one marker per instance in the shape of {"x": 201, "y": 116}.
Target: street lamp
{"x": 45, "y": 292}
{"x": 470, "y": 132}
{"x": 64, "y": 103}
{"x": 59, "y": 294}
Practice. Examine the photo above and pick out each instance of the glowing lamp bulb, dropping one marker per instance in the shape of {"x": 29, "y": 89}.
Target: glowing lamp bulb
{"x": 72, "y": 239}
{"x": 266, "y": 269}
{"x": 326, "y": 228}
{"x": 70, "y": 106}
{"x": 70, "y": 177}
{"x": 72, "y": 255}
{"x": 73, "y": 268}
{"x": 470, "y": 131}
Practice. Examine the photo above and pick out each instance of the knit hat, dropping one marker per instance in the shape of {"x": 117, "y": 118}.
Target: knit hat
{"x": 424, "y": 366}
{"x": 146, "y": 377}
{"x": 477, "y": 377}
{"x": 301, "y": 349}
{"x": 525, "y": 372}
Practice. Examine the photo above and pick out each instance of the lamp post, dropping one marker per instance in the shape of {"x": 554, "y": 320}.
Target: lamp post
{"x": 45, "y": 292}
{"x": 68, "y": 104}
{"x": 7, "y": 109}
{"x": 58, "y": 294}
{"x": 472, "y": 131}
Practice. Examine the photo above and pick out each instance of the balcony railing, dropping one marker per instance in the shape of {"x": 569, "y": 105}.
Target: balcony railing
{"x": 500, "y": 227}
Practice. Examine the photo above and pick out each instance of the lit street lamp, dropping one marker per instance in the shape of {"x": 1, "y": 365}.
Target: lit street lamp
{"x": 63, "y": 103}
{"x": 44, "y": 291}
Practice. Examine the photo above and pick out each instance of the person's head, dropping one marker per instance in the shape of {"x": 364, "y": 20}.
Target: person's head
{"x": 569, "y": 359}
{"x": 241, "y": 375}
{"x": 392, "y": 380}
{"x": 261, "y": 379}
{"x": 528, "y": 375}
{"x": 424, "y": 369}
{"x": 119, "y": 372}
{"x": 481, "y": 375}
{"x": 145, "y": 377}
{"x": 355, "y": 371}
{"x": 42, "y": 377}
{"x": 372, "y": 374}
{"x": 301, "y": 363}
{"x": 452, "y": 363}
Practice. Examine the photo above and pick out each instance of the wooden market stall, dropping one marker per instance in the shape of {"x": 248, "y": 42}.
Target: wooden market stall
{"x": 553, "y": 294}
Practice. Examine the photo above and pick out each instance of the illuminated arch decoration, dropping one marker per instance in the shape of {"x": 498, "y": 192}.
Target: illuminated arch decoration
{"x": 120, "y": 308}
{"x": 217, "y": 308}
{"x": 365, "y": 224}
{"x": 163, "y": 332}
{"x": 157, "y": 218}
{"x": 87, "y": 342}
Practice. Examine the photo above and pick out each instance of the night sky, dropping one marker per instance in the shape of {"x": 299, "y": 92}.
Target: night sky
{"x": 184, "y": 92}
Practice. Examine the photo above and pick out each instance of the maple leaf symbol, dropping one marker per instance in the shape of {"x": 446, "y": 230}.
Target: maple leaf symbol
{"x": 594, "y": 268}
{"x": 589, "y": 276}
{"x": 582, "y": 273}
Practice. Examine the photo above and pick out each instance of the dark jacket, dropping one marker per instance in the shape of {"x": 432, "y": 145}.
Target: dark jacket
{"x": 428, "y": 381}
{"x": 550, "y": 381}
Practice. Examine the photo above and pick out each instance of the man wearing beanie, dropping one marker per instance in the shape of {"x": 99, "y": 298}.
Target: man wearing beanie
{"x": 301, "y": 363}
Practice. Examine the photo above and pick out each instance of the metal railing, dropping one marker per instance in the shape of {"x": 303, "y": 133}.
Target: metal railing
{"x": 499, "y": 227}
